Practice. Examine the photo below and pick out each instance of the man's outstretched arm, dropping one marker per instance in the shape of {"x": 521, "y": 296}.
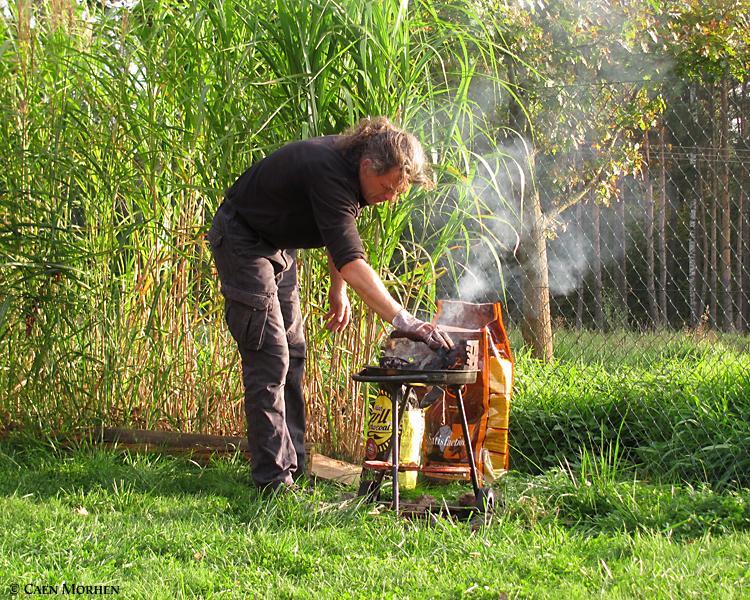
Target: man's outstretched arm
{"x": 369, "y": 287}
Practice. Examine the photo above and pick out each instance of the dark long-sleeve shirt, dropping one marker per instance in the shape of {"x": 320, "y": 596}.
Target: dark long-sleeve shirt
{"x": 303, "y": 195}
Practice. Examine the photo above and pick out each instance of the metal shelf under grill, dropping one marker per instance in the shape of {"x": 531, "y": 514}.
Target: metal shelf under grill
{"x": 381, "y": 465}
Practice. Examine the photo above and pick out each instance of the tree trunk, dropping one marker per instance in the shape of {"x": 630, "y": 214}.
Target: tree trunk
{"x": 597, "y": 260}
{"x": 661, "y": 225}
{"x": 746, "y": 258}
{"x": 745, "y": 220}
{"x": 726, "y": 212}
{"x": 714, "y": 301}
{"x": 621, "y": 261}
{"x": 537, "y": 322}
{"x": 674, "y": 249}
{"x": 714, "y": 269}
{"x": 694, "y": 202}
{"x": 579, "y": 239}
{"x": 739, "y": 264}
{"x": 714, "y": 312}
{"x": 695, "y": 309}
{"x": 649, "y": 226}
{"x": 705, "y": 249}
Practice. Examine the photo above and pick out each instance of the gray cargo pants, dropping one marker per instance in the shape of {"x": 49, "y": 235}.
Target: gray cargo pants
{"x": 262, "y": 310}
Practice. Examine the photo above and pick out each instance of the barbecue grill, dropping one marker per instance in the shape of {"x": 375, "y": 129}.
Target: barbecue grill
{"x": 399, "y": 382}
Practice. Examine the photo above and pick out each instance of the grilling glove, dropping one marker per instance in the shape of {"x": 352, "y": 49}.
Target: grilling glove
{"x": 430, "y": 334}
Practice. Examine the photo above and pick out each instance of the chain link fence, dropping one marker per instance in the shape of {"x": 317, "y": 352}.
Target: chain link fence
{"x": 649, "y": 292}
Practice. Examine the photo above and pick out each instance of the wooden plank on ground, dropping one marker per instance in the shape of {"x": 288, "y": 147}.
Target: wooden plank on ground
{"x": 201, "y": 446}
{"x": 169, "y": 439}
{"x": 335, "y": 470}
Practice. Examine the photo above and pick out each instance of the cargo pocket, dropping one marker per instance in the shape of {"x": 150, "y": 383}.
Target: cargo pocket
{"x": 246, "y": 324}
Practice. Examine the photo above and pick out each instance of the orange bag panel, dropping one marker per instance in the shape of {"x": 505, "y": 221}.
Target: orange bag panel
{"x": 487, "y": 402}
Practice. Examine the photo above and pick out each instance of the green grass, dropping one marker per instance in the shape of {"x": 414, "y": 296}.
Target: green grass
{"x": 165, "y": 527}
{"x": 676, "y": 407}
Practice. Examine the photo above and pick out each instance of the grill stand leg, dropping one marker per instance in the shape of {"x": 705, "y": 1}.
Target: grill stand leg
{"x": 395, "y": 443}
{"x": 467, "y": 440}
{"x": 400, "y": 396}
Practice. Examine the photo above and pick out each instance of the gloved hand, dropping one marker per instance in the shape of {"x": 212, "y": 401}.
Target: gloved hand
{"x": 430, "y": 334}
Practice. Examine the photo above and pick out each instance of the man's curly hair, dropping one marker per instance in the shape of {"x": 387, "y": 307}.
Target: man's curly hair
{"x": 387, "y": 146}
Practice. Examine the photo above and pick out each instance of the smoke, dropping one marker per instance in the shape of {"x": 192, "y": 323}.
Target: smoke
{"x": 491, "y": 270}
{"x": 499, "y": 190}
{"x": 569, "y": 261}
{"x": 570, "y": 113}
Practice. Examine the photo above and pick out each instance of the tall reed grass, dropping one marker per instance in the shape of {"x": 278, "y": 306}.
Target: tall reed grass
{"x": 119, "y": 130}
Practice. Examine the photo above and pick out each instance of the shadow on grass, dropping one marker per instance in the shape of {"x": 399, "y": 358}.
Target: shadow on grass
{"x": 583, "y": 498}
{"x": 101, "y": 478}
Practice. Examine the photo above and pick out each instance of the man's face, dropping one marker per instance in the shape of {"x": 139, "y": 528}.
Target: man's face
{"x": 377, "y": 189}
